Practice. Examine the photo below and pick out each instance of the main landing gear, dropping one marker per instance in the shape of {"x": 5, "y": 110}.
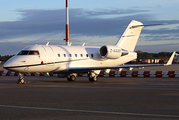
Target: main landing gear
{"x": 71, "y": 77}
{"x": 21, "y": 79}
{"x": 93, "y": 75}
{"x": 93, "y": 79}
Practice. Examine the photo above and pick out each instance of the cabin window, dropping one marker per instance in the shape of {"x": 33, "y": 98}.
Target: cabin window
{"x": 81, "y": 55}
{"x": 86, "y": 55}
{"x": 69, "y": 55}
{"x": 64, "y": 55}
{"x": 92, "y": 55}
{"x": 27, "y": 52}
{"x": 58, "y": 55}
{"x": 75, "y": 55}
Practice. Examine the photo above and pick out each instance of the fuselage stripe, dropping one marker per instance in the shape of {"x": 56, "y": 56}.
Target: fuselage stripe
{"x": 43, "y": 64}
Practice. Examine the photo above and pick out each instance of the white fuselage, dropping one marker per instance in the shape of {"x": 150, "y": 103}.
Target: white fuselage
{"x": 56, "y": 58}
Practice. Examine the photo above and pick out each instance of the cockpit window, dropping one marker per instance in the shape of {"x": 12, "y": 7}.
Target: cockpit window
{"x": 25, "y": 52}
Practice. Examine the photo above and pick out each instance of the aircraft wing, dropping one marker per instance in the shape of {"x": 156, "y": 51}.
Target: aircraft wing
{"x": 86, "y": 69}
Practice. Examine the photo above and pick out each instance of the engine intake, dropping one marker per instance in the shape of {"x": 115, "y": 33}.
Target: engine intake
{"x": 110, "y": 52}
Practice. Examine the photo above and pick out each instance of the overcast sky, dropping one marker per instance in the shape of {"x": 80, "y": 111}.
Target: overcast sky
{"x": 94, "y": 22}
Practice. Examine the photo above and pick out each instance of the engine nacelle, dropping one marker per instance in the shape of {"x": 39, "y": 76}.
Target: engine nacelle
{"x": 110, "y": 52}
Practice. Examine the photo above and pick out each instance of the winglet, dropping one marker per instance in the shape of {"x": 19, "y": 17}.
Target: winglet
{"x": 171, "y": 59}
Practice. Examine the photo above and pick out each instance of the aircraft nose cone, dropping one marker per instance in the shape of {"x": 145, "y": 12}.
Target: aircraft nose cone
{"x": 7, "y": 65}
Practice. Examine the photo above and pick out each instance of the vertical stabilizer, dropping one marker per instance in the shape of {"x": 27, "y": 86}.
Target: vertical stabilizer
{"x": 130, "y": 37}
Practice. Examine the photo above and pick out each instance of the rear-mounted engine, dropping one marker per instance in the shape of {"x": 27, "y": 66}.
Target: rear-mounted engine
{"x": 112, "y": 52}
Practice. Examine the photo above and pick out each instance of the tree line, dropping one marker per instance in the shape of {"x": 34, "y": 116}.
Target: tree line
{"x": 5, "y": 57}
{"x": 160, "y": 55}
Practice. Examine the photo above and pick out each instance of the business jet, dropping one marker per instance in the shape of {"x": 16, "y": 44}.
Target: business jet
{"x": 69, "y": 60}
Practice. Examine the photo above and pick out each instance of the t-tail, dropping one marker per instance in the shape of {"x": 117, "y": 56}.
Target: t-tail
{"x": 130, "y": 37}
{"x": 126, "y": 44}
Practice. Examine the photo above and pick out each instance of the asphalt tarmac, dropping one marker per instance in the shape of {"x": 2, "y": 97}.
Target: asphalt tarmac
{"x": 109, "y": 98}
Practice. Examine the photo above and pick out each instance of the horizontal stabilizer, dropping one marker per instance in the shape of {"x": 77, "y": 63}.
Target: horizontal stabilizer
{"x": 147, "y": 25}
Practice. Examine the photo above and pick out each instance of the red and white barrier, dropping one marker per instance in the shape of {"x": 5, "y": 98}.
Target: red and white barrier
{"x": 104, "y": 74}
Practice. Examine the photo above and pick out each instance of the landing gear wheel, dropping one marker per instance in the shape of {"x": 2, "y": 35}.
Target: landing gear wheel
{"x": 93, "y": 79}
{"x": 21, "y": 81}
{"x": 71, "y": 78}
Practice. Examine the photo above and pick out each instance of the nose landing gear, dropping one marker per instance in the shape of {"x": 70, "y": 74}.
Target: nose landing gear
{"x": 21, "y": 79}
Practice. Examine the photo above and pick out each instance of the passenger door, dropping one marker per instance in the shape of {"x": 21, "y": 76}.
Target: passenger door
{"x": 50, "y": 56}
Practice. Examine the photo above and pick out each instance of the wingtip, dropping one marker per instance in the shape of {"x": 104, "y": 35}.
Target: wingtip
{"x": 171, "y": 59}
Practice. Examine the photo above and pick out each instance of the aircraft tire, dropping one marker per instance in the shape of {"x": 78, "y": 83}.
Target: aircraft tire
{"x": 21, "y": 81}
{"x": 71, "y": 78}
{"x": 93, "y": 79}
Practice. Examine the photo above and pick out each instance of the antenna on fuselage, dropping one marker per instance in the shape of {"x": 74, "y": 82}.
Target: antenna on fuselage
{"x": 67, "y": 24}
{"x": 47, "y": 43}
